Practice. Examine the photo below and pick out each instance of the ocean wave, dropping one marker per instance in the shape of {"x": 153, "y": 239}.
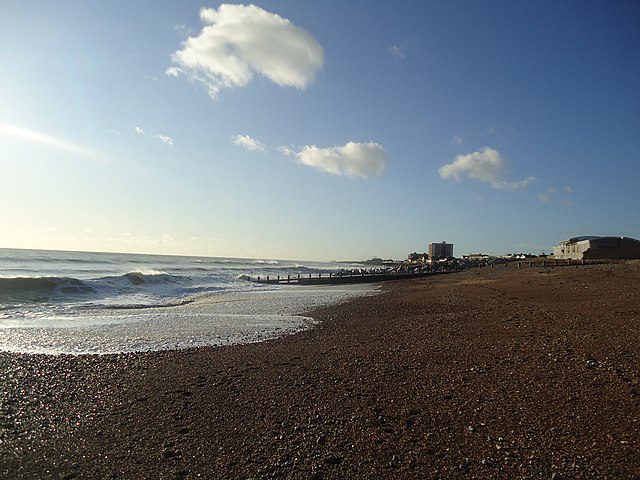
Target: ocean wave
{"x": 141, "y": 277}
{"x": 15, "y": 286}
{"x": 191, "y": 269}
{"x": 295, "y": 268}
{"x": 57, "y": 260}
{"x": 41, "y": 288}
{"x": 135, "y": 284}
{"x": 140, "y": 306}
{"x": 147, "y": 272}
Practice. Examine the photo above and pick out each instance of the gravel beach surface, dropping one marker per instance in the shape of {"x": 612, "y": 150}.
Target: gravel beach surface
{"x": 498, "y": 372}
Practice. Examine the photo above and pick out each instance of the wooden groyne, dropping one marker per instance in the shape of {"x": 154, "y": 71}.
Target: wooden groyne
{"x": 337, "y": 278}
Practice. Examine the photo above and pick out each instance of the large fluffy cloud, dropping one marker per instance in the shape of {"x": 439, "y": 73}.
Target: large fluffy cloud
{"x": 240, "y": 40}
{"x": 353, "y": 159}
{"x": 486, "y": 165}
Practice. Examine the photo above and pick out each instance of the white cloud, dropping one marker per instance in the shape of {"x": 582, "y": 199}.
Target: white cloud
{"x": 397, "y": 51}
{"x": 240, "y": 40}
{"x": 183, "y": 30}
{"x": 486, "y": 165}
{"x": 456, "y": 140}
{"x": 288, "y": 151}
{"x": 544, "y": 197}
{"x": 138, "y": 130}
{"x": 552, "y": 195}
{"x": 245, "y": 141}
{"x": 115, "y": 132}
{"x": 173, "y": 72}
{"x": 165, "y": 139}
{"x": 353, "y": 159}
{"x": 504, "y": 185}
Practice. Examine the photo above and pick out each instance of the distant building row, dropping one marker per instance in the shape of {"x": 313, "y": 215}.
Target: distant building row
{"x": 575, "y": 248}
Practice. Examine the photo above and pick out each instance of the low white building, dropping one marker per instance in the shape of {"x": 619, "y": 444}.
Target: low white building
{"x": 594, "y": 247}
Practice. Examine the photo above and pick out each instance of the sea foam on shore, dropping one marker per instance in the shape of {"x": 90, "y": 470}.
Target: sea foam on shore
{"x": 79, "y": 302}
{"x": 215, "y": 319}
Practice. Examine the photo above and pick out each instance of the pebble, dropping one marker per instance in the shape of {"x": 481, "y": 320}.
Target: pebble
{"x": 168, "y": 453}
{"x": 352, "y": 439}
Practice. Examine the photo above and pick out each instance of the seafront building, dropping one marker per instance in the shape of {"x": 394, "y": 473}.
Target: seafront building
{"x": 476, "y": 256}
{"x": 417, "y": 258}
{"x": 440, "y": 250}
{"x": 594, "y": 247}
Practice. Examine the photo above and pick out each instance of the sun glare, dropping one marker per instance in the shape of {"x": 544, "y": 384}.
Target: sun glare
{"x": 50, "y": 141}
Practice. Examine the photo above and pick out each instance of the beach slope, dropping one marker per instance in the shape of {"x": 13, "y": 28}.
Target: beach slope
{"x": 499, "y": 372}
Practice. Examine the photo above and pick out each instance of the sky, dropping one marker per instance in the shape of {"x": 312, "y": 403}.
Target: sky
{"x": 317, "y": 130}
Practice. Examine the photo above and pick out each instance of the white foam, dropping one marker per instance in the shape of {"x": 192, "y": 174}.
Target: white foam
{"x": 216, "y": 319}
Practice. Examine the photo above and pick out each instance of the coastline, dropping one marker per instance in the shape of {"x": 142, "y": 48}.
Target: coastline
{"x": 213, "y": 319}
{"x": 499, "y": 373}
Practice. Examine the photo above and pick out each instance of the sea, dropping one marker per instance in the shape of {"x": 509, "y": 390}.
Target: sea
{"x": 59, "y": 302}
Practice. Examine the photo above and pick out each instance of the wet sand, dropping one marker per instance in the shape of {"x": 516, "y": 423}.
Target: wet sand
{"x": 492, "y": 373}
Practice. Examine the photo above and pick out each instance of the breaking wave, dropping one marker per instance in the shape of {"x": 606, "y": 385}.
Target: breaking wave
{"x": 16, "y": 287}
{"x": 37, "y": 289}
{"x": 40, "y": 283}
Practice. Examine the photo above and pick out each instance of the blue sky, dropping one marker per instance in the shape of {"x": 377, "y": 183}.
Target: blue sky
{"x": 498, "y": 126}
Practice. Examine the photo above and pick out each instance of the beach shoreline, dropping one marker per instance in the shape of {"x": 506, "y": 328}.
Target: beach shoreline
{"x": 498, "y": 372}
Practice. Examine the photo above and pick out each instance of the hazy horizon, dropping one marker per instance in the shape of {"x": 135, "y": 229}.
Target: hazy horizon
{"x": 183, "y": 255}
{"x": 317, "y": 131}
